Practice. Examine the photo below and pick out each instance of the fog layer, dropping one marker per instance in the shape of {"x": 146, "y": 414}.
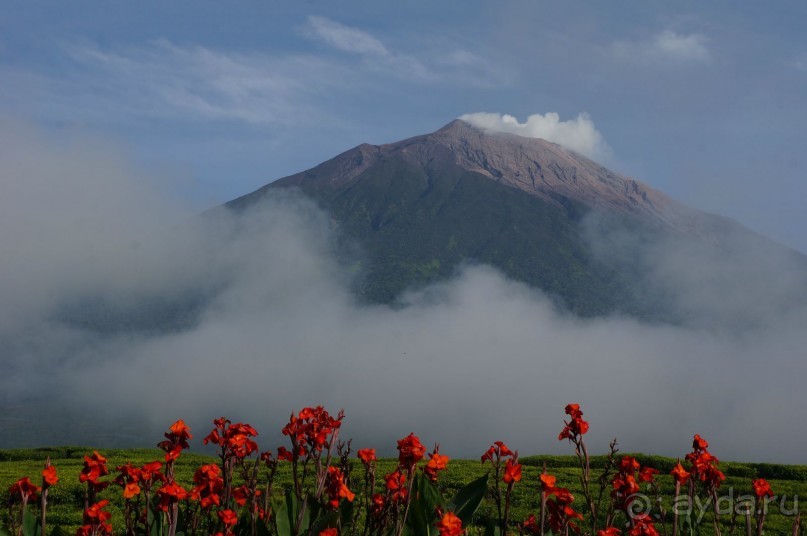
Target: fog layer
{"x": 266, "y": 324}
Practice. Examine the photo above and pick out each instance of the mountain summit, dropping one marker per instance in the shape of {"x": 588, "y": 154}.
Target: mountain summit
{"x": 540, "y": 213}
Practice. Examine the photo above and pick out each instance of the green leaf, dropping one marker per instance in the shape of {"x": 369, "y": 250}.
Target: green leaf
{"x": 4, "y": 532}
{"x": 467, "y": 500}
{"x": 422, "y": 509}
{"x": 283, "y": 514}
{"x": 346, "y": 510}
{"x": 491, "y": 527}
{"x": 30, "y": 523}
{"x": 321, "y": 523}
{"x": 156, "y": 521}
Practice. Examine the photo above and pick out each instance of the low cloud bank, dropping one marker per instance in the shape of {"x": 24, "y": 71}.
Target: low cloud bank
{"x": 578, "y": 134}
{"x": 274, "y": 327}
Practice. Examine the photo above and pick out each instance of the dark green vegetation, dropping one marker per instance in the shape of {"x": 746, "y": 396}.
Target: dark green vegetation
{"x": 66, "y": 498}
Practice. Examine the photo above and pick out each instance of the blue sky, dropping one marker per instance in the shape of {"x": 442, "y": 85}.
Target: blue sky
{"x": 704, "y": 100}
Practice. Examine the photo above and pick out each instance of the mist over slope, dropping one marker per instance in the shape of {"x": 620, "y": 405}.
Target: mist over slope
{"x": 466, "y": 361}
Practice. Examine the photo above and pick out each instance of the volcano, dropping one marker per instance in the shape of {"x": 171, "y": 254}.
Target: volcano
{"x": 422, "y": 208}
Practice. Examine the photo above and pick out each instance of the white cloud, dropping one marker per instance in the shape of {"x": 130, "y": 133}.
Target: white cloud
{"x": 373, "y": 52}
{"x": 578, "y": 134}
{"x": 163, "y": 79}
{"x": 345, "y": 38}
{"x": 666, "y": 45}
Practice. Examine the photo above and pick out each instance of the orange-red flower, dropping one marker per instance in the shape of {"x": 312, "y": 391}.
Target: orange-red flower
{"x": 169, "y": 494}
{"x": 497, "y": 451}
{"x": 176, "y": 440}
{"x": 512, "y": 472}
{"x": 312, "y": 429}
{"x": 329, "y": 532}
{"x": 576, "y": 427}
{"x": 530, "y": 526}
{"x": 547, "y": 482}
{"x": 411, "y": 451}
{"x": 367, "y": 456}
{"x": 643, "y": 526}
{"x": 762, "y": 488}
{"x": 208, "y": 486}
{"x": 49, "y": 476}
{"x": 628, "y": 465}
{"x": 647, "y": 474}
{"x": 680, "y": 474}
{"x": 131, "y": 490}
{"x": 96, "y": 513}
{"x": 94, "y": 468}
{"x": 228, "y": 518}
{"x": 437, "y": 462}
{"x": 449, "y": 525}
{"x": 336, "y": 488}
{"x": 396, "y": 486}
{"x": 609, "y": 531}
{"x": 96, "y": 521}
{"x": 234, "y": 439}
{"x": 377, "y": 508}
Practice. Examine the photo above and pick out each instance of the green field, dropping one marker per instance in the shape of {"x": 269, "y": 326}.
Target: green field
{"x": 66, "y": 498}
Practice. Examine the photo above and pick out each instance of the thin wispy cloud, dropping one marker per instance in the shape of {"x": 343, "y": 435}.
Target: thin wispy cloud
{"x": 345, "y": 38}
{"x": 372, "y": 51}
{"x": 203, "y": 83}
{"x": 666, "y": 45}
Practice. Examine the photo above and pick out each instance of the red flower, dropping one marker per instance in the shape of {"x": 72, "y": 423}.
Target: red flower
{"x": 228, "y": 518}
{"x": 131, "y": 490}
{"x": 336, "y": 488}
{"x": 377, "y": 508}
{"x": 312, "y": 429}
{"x": 176, "y": 440}
{"x": 96, "y": 513}
{"x": 396, "y": 486}
{"x": 647, "y": 474}
{"x": 680, "y": 474}
{"x": 530, "y": 526}
{"x": 512, "y": 472}
{"x": 609, "y": 531}
{"x": 437, "y": 462}
{"x": 367, "y": 456}
{"x": 169, "y": 494}
{"x": 573, "y": 410}
{"x": 209, "y": 485}
{"x": 329, "y": 532}
{"x": 284, "y": 455}
{"x": 643, "y": 526}
{"x": 498, "y": 451}
{"x": 762, "y": 488}
{"x": 698, "y": 443}
{"x": 94, "y": 468}
{"x": 149, "y": 470}
{"x": 547, "y": 482}
{"x": 449, "y": 525}
{"x": 628, "y": 465}
{"x": 576, "y": 427}
{"x": 411, "y": 451}
{"x": 49, "y": 476}
{"x": 96, "y": 521}
{"x": 25, "y": 489}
